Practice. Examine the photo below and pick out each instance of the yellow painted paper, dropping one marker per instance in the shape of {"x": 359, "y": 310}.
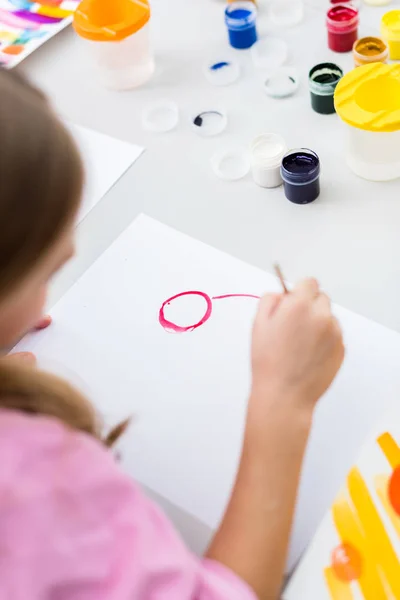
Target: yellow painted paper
{"x": 378, "y": 543}
{"x": 381, "y": 487}
{"x": 350, "y": 530}
{"x": 390, "y": 449}
{"x": 338, "y": 590}
{"x": 54, "y": 11}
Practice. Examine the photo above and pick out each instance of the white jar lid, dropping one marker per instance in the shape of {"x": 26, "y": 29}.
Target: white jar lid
{"x": 209, "y": 121}
{"x": 160, "y": 116}
{"x": 231, "y": 164}
{"x": 269, "y": 53}
{"x": 281, "y": 83}
{"x": 222, "y": 71}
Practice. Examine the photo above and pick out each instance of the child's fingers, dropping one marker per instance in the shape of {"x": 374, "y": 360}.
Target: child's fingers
{"x": 44, "y": 322}
{"x": 26, "y": 358}
{"x": 307, "y": 289}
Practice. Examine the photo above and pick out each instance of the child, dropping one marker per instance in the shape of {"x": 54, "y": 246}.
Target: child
{"x": 72, "y": 524}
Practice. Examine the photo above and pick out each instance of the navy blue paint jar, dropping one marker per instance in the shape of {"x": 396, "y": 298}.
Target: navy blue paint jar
{"x": 300, "y": 173}
{"x": 240, "y": 18}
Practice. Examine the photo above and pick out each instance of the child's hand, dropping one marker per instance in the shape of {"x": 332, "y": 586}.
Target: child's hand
{"x": 44, "y": 322}
{"x": 28, "y": 358}
{"x": 297, "y": 347}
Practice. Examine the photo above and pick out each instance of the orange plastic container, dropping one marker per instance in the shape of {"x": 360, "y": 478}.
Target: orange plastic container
{"x": 118, "y": 34}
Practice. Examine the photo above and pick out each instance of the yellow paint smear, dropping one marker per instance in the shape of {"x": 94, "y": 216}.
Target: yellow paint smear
{"x": 390, "y": 449}
{"x": 54, "y": 11}
{"x": 378, "y": 543}
{"x": 338, "y": 590}
{"x": 349, "y": 531}
{"x": 381, "y": 486}
{"x": 8, "y": 36}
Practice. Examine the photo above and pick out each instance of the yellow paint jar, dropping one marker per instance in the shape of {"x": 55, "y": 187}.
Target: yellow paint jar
{"x": 368, "y": 50}
{"x": 368, "y": 100}
{"x": 390, "y": 31}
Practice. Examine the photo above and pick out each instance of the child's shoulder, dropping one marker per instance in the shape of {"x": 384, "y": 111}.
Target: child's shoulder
{"x": 43, "y": 458}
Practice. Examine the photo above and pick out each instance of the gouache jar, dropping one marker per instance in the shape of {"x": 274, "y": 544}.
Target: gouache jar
{"x": 323, "y": 79}
{"x": 342, "y": 23}
{"x": 266, "y": 153}
{"x": 368, "y": 50}
{"x": 390, "y": 31}
{"x": 368, "y": 100}
{"x": 300, "y": 172}
{"x": 240, "y": 19}
{"x": 117, "y": 33}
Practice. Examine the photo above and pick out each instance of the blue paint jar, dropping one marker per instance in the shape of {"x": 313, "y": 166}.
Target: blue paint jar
{"x": 300, "y": 172}
{"x": 240, "y": 18}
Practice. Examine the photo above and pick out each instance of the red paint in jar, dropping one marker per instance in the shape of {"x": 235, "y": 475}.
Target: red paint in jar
{"x": 342, "y": 22}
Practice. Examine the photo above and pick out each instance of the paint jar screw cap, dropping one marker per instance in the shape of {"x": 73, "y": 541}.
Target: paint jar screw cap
{"x": 222, "y": 71}
{"x": 281, "y": 83}
{"x": 209, "y": 122}
{"x": 269, "y": 53}
{"x": 160, "y": 116}
{"x": 231, "y": 164}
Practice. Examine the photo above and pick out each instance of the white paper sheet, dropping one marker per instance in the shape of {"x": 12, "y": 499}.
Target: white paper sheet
{"x": 189, "y": 391}
{"x": 105, "y": 159}
{"x": 340, "y": 563}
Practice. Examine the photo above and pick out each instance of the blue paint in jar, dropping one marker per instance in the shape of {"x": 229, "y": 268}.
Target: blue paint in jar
{"x": 240, "y": 18}
{"x": 300, "y": 172}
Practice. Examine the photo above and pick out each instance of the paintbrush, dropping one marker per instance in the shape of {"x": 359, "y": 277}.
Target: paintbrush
{"x": 279, "y": 275}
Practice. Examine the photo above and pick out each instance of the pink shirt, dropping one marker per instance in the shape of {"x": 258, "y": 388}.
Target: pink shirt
{"x": 73, "y": 526}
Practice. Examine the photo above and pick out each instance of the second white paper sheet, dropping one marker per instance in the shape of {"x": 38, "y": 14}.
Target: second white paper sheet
{"x": 188, "y": 391}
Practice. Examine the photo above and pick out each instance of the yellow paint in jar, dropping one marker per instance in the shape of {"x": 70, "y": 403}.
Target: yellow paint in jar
{"x": 369, "y": 50}
{"x": 390, "y": 32}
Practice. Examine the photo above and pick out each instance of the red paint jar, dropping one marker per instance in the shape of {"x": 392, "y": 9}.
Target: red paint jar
{"x": 342, "y": 22}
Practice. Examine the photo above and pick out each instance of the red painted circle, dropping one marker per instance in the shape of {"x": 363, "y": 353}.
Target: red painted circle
{"x": 170, "y": 326}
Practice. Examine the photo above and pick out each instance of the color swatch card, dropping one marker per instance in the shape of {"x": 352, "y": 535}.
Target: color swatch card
{"x": 25, "y": 25}
{"x": 159, "y": 328}
{"x": 356, "y": 552}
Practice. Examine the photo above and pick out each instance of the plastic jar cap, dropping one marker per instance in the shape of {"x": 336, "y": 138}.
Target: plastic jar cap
{"x": 268, "y": 149}
{"x": 160, "y": 116}
{"x": 112, "y": 20}
{"x": 286, "y": 13}
{"x": 209, "y": 122}
{"x": 391, "y": 24}
{"x": 240, "y": 14}
{"x": 222, "y": 71}
{"x": 231, "y": 164}
{"x": 342, "y": 17}
{"x": 281, "y": 83}
{"x": 269, "y": 53}
{"x": 370, "y": 49}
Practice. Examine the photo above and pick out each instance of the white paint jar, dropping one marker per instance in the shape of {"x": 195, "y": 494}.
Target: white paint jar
{"x": 266, "y": 153}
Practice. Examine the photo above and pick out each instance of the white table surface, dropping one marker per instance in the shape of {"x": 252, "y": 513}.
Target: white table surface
{"x": 349, "y": 238}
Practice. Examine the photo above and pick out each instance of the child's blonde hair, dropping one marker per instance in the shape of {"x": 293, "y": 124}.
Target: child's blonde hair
{"x": 41, "y": 180}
